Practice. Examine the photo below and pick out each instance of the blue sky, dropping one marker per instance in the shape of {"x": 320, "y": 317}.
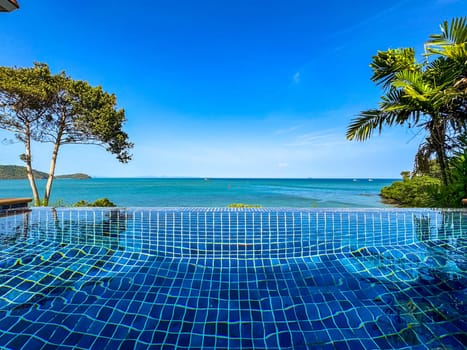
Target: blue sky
{"x": 217, "y": 88}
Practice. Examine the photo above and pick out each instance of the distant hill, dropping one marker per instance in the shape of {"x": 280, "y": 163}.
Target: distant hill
{"x": 78, "y": 176}
{"x": 13, "y": 172}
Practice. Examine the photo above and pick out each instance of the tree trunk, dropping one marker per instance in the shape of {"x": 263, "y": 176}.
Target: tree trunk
{"x": 53, "y": 162}
{"x": 441, "y": 157}
{"x": 27, "y": 160}
{"x": 439, "y": 136}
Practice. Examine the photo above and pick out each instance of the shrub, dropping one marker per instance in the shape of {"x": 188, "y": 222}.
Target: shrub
{"x": 243, "y": 205}
{"x": 81, "y": 203}
{"x": 418, "y": 191}
{"x": 102, "y": 202}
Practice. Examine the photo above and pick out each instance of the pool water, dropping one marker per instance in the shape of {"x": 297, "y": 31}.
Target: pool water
{"x": 236, "y": 279}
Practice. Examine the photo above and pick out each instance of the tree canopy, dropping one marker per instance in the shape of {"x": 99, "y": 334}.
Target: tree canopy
{"x": 37, "y": 105}
{"x": 430, "y": 95}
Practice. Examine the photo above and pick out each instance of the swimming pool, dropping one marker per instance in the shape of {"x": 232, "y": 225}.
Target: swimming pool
{"x": 233, "y": 278}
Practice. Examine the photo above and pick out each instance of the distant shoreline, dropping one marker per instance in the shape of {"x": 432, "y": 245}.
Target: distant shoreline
{"x": 364, "y": 179}
{"x": 71, "y": 176}
{"x": 16, "y": 172}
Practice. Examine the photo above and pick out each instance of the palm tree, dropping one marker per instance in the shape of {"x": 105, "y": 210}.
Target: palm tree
{"x": 427, "y": 95}
{"x": 451, "y": 44}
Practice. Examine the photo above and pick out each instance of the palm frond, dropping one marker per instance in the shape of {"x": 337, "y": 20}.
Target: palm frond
{"x": 401, "y": 107}
{"x": 451, "y": 42}
{"x": 413, "y": 85}
{"x": 455, "y": 33}
{"x": 387, "y": 63}
{"x": 362, "y": 127}
{"x": 443, "y": 72}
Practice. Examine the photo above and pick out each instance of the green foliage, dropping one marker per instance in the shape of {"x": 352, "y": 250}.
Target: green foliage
{"x": 451, "y": 42}
{"x": 82, "y": 203}
{"x": 77, "y": 176}
{"x": 58, "y": 108}
{"x": 425, "y": 189}
{"x": 405, "y": 175}
{"x": 386, "y": 64}
{"x": 91, "y": 117}
{"x": 418, "y": 191}
{"x": 430, "y": 95}
{"x": 25, "y": 95}
{"x": 452, "y": 194}
{"x": 243, "y": 205}
{"x": 13, "y": 172}
{"x": 426, "y": 166}
{"x": 102, "y": 202}
{"x": 37, "y": 105}
{"x": 18, "y": 172}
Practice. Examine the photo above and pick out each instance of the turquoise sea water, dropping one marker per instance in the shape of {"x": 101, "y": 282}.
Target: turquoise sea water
{"x": 183, "y": 192}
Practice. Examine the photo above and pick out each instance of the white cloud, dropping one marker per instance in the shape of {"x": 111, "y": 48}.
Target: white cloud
{"x": 307, "y": 155}
{"x": 288, "y": 130}
{"x": 296, "y": 78}
{"x": 303, "y": 148}
{"x": 318, "y": 139}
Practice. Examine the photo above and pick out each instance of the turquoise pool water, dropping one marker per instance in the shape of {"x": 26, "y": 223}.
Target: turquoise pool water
{"x": 237, "y": 279}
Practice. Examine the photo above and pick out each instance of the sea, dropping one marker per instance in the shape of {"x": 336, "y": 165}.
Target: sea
{"x": 210, "y": 192}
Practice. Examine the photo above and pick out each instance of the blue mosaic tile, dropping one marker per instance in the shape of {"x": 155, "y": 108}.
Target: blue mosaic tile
{"x": 237, "y": 279}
